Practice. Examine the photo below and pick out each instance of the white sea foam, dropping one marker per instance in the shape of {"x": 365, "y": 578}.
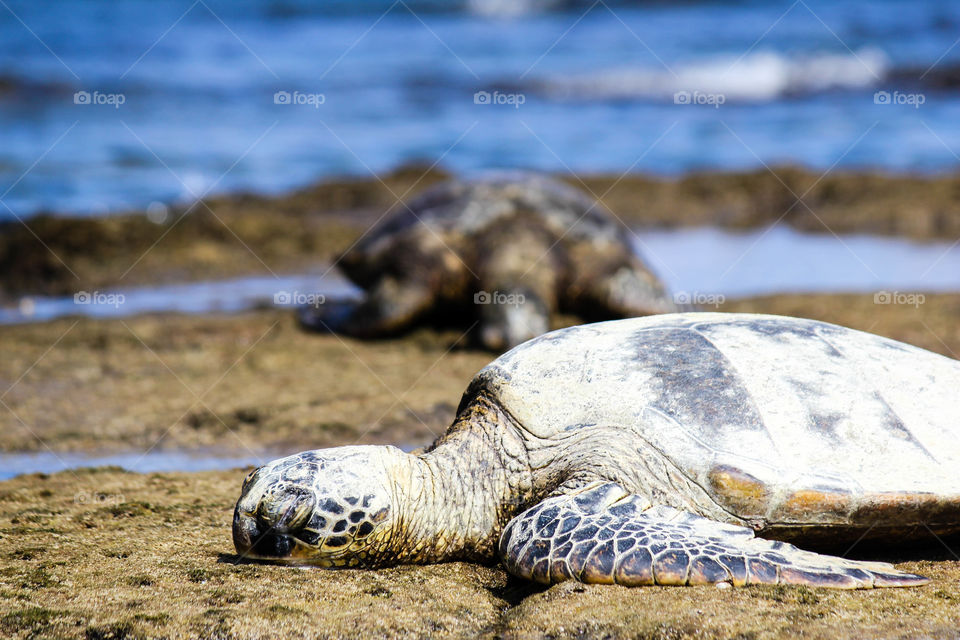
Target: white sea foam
{"x": 509, "y": 8}
{"x": 758, "y": 76}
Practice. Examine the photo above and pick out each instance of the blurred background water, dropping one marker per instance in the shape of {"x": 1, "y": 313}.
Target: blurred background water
{"x": 106, "y": 106}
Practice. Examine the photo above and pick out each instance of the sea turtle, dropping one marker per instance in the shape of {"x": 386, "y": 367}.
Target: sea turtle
{"x": 506, "y": 249}
{"x": 647, "y": 451}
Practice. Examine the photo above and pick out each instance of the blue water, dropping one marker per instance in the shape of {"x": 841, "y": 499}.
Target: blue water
{"x": 222, "y": 296}
{"x": 15, "y": 464}
{"x": 187, "y": 91}
{"x": 706, "y": 262}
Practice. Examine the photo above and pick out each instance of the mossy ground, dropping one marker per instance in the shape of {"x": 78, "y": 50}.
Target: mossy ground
{"x": 251, "y": 382}
{"x": 108, "y": 554}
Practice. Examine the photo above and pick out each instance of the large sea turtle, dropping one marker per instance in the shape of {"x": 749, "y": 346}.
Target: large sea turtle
{"x": 647, "y": 451}
{"x": 507, "y": 249}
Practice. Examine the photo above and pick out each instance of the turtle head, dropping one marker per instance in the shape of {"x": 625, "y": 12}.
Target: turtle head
{"x": 332, "y": 507}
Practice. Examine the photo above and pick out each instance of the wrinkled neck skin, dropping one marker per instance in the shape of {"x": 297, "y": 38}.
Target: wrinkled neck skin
{"x": 456, "y": 498}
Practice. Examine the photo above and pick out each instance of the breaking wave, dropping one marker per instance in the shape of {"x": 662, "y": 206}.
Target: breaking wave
{"x": 759, "y": 76}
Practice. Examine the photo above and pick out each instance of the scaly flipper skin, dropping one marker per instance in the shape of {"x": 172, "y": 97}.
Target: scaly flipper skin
{"x": 603, "y": 534}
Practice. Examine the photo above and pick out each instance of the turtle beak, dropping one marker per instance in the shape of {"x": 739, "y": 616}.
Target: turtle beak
{"x": 254, "y": 540}
{"x": 268, "y": 530}
{"x": 245, "y": 532}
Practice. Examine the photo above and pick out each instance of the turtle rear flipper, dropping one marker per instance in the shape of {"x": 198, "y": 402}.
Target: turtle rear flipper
{"x": 621, "y": 288}
{"x": 603, "y": 534}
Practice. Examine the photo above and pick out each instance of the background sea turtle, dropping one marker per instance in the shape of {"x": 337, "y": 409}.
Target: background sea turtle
{"x": 647, "y": 451}
{"x": 508, "y": 250}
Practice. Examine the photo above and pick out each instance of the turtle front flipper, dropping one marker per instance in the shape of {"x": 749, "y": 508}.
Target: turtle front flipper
{"x": 603, "y": 534}
{"x": 390, "y": 307}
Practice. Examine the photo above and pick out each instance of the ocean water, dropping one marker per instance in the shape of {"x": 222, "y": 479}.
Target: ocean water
{"x": 15, "y": 464}
{"x": 706, "y": 262}
{"x": 155, "y": 460}
{"x": 212, "y": 296}
{"x": 105, "y": 106}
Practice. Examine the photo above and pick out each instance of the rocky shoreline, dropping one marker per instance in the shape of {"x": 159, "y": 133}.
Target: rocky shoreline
{"x": 248, "y": 234}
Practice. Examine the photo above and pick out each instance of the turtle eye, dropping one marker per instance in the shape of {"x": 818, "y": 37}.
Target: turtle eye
{"x": 246, "y": 481}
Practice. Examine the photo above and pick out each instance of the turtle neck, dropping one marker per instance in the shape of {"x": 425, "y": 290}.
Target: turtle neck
{"x": 459, "y": 495}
